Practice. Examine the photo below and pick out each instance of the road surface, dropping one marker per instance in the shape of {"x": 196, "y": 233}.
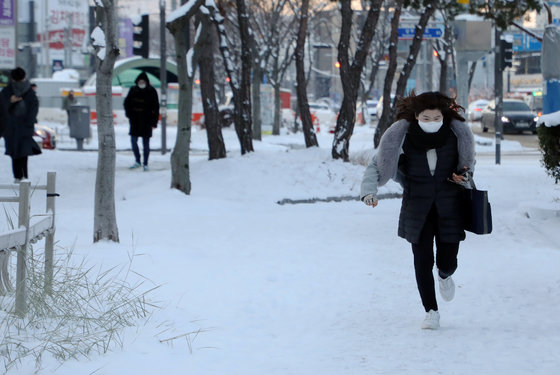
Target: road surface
{"x": 526, "y": 139}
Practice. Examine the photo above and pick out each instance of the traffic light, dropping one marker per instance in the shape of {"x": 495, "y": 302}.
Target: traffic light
{"x": 506, "y": 50}
{"x": 141, "y": 37}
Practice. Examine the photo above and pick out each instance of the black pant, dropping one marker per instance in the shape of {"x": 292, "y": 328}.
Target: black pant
{"x": 19, "y": 167}
{"x": 446, "y": 260}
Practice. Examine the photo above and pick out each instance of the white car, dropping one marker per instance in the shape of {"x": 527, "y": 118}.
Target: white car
{"x": 324, "y": 119}
{"x": 370, "y": 111}
{"x": 474, "y": 113}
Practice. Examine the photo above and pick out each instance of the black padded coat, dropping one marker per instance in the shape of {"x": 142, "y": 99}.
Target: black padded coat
{"x": 422, "y": 191}
{"x": 18, "y": 120}
{"x": 141, "y": 106}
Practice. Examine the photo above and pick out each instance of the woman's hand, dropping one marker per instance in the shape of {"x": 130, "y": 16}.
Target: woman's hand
{"x": 370, "y": 200}
{"x": 460, "y": 177}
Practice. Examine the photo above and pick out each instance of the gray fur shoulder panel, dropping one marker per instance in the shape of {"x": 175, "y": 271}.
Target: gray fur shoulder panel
{"x": 465, "y": 144}
{"x": 389, "y": 150}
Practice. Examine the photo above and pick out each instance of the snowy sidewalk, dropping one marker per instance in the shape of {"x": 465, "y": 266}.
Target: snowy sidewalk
{"x": 324, "y": 288}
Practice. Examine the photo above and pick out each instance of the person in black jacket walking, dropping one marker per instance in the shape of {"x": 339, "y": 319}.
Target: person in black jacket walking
{"x": 18, "y": 110}
{"x": 429, "y": 152}
{"x": 142, "y": 109}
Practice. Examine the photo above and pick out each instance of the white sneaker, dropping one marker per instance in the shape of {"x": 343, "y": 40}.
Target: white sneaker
{"x": 135, "y": 165}
{"x": 446, "y": 288}
{"x": 431, "y": 321}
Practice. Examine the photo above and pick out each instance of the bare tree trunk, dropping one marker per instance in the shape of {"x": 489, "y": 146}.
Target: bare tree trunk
{"x": 471, "y": 74}
{"x": 443, "y": 60}
{"x": 277, "y": 110}
{"x": 389, "y": 118}
{"x": 443, "y": 76}
{"x": 413, "y": 53}
{"x": 240, "y": 88}
{"x": 280, "y": 66}
{"x": 383, "y": 123}
{"x": 205, "y": 51}
{"x": 180, "y": 172}
{"x": 372, "y": 75}
{"x": 244, "y": 94}
{"x": 350, "y": 74}
{"x": 105, "y": 221}
{"x": 303, "y": 104}
{"x": 256, "y": 93}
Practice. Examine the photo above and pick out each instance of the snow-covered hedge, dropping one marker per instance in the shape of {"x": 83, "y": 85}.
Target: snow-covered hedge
{"x": 549, "y": 141}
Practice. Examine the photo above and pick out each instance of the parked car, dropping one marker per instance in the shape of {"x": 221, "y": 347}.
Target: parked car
{"x": 323, "y": 117}
{"x": 474, "y": 112}
{"x": 370, "y": 110}
{"x": 535, "y": 103}
{"x": 45, "y": 137}
{"x": 517, "y": 117}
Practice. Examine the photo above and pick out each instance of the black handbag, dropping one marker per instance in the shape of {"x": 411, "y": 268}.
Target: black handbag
{"x": 477, "y": 209}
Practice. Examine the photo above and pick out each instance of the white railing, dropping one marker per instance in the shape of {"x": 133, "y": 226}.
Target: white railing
{"x": 30, "y": 230}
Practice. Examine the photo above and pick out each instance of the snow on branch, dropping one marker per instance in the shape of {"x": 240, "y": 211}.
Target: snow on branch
{"x": 98, "y": 41}
{"x": 190, "y": 63}
{"x": 186, "y": 10}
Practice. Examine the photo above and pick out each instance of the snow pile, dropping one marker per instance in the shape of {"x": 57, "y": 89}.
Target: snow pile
{"x": 66, "y": 75}
{"x": 549, "y": 120}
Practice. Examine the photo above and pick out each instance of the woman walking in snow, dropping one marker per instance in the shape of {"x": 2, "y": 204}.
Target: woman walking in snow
{"x": 429, "y": 151}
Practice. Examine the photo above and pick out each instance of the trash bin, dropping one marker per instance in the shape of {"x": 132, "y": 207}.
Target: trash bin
{"x": 78, "y": 120}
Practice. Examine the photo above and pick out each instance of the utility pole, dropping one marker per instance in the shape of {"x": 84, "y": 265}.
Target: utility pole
{"x": 498, "y": 91}
{"x": 45, "y": 51}
{"x": 163, "y": 78}
{"x": 31, "y": 40}
{"x": 68, "y": 36}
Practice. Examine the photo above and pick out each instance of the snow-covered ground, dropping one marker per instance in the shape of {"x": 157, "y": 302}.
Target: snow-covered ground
{"x": 324, "y": 288}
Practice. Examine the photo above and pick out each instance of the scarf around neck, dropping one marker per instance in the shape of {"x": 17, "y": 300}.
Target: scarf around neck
{"x": 426, "y": 141}
{"x": 21, "y": 87}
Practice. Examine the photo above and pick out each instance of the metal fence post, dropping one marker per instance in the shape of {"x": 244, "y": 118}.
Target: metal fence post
{"x": 49, "y": 238}
{"x": 23, "y": 220}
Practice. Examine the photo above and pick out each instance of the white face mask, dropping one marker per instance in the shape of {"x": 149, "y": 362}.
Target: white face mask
{"x": 430, "y": 127}
{"x": 142, "y": 85}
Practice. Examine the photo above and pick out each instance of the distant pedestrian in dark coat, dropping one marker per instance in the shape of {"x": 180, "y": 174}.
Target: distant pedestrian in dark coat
{"x": 68, "y": 102}
{"x": 142, "y": 109}
{"x": 18, "y": 110}
{"x": 428, "y": 151}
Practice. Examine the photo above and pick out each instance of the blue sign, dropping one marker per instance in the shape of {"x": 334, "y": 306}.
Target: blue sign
{"x": 523, "y": 42}
{"x": 429, "y": 32}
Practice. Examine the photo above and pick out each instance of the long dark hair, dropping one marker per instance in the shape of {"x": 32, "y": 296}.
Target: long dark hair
{"x": 411, "y": 106}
